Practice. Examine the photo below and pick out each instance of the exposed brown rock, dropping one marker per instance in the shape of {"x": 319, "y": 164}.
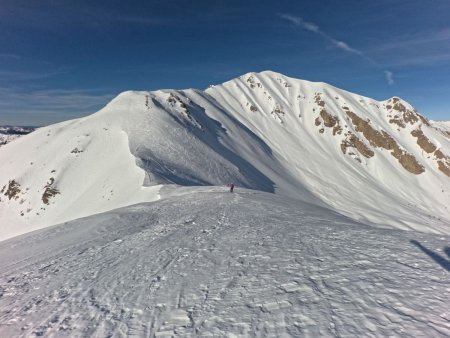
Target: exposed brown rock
{"x": 399, "y": 106}
{"x": 398, "y": 121}
{"x": 337, "y": 129}
{"x": 317, "y": 121}
{"x": 328, "y": 119}
{"x": 375, "y": 138}
{"x": 408, "y": 161}
{"x": 318, "y": 100}
{"x": 321, "y": 130}
{"x": 443, "y": 162}
{"x": 444, "y": 166}
{"x": 423, "y": 119}
{"x": 384, "y": 140}
{"x": 404, "y": 115}
{"x": 253, "y": 108}
{"x": 12, "y": 190}
{"x": 352, "y": 141}
{"x": 439, "y": 154}
{"x": 253, "y": 83}
{"x": 49, "y": 191}
{"x": 423, "y": 141}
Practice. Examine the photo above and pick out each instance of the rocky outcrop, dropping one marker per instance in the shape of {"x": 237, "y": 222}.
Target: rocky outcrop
{"x": 443, "y": 162}
{"x": 381, "y": 139}
{"x": 252, "y": 82}
{"x": 352, "y": 141}
{"x": 49, "y": 191}
{"x": 400, "y": 115}
{"x": 318, "y": 100}
{"x": 183, "y": 109}
{"x": 11, "y": 190}
{"x": 328, "y": 120}
{"x": 277, "y": 113}
{"x": 423, "y": 141}
{"x": 444, "y": 166}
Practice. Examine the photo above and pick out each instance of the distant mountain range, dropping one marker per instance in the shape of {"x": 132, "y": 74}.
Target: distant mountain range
{"x": 10, "y": 133}
{"x": 381, "y": 163}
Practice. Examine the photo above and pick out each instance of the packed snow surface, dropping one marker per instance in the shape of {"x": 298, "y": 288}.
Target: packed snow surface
{"x": 203, "y": 262}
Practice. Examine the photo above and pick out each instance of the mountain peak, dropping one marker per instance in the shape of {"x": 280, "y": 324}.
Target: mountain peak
{"x": 377, "y": 161}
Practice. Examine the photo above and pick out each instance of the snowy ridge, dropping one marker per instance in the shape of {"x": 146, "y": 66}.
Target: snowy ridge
{"x": 378, "y": 162}
{"x": 66, "y": 171}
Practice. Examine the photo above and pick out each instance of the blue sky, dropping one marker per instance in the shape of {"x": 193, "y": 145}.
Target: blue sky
{"x": 62, "y": 59}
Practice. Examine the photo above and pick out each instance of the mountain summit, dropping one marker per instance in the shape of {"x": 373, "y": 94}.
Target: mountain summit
{"x": 378, "y": 162}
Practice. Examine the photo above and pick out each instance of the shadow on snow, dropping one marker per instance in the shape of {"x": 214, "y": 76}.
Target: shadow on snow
{"x": 442, "y": 261}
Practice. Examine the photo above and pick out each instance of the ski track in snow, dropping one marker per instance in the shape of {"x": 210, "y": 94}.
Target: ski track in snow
{"x": 206, "y": 263}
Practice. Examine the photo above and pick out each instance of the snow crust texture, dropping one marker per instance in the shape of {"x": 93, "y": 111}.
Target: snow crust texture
{"x": 202, "y": 262}
{"x": 381, "y": 163}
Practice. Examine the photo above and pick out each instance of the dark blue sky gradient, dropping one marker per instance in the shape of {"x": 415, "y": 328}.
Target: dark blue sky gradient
{"x": 63, "y": 59}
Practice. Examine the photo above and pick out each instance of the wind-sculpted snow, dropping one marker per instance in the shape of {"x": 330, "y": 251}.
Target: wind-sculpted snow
{"x": 202, "y": 262}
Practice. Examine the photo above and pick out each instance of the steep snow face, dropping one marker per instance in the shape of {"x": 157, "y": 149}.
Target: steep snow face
{"x": 378, "y": 162}
{"x": 202, "y": 262}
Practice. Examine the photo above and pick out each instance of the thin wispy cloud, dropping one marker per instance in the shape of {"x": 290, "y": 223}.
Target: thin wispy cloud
{"x": 389, "y": 76}
{"x": 6, "y": 76}
{"x": 7, "y": 56}
{"x": 311, "y": 27}
{"x": 441, "y": 37}
{"x": 428, "y": 48}
{"x": 298, "y": 21}
{"x": 344, "y": 46}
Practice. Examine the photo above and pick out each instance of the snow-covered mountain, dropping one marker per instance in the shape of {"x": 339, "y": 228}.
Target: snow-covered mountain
{"x": 10, "y": 133}
{"x": 378, "y": 162}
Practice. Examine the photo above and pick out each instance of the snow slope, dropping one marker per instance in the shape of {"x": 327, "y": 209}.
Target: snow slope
{"x": 378, "y": 162}
{"x": 202, "y": 262}
{"x": 66, "y": 171}
{"x": 287, "y": 114}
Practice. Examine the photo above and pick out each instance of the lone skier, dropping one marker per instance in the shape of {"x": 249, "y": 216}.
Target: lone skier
{"x": 231, "y": 187}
